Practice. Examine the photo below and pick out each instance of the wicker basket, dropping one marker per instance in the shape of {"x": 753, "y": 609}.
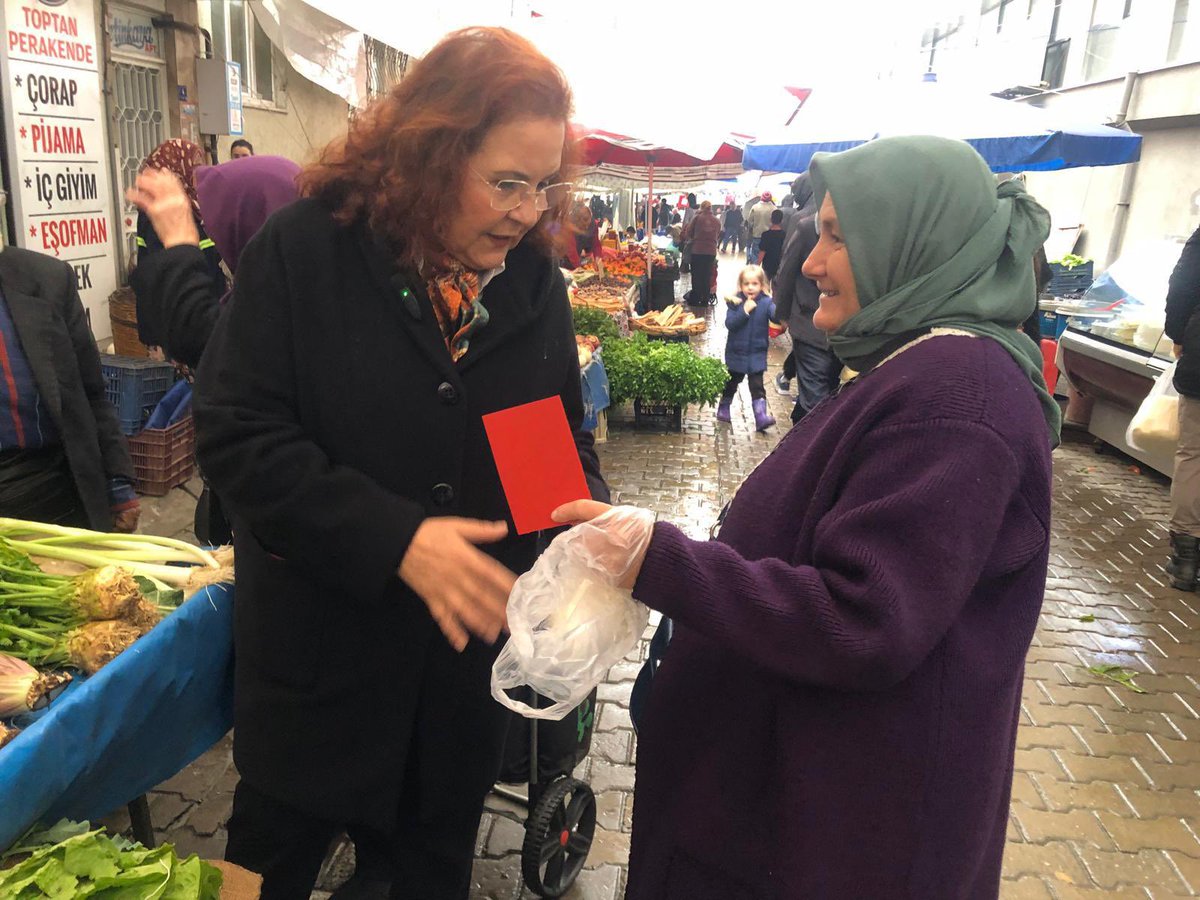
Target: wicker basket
{"x": 671, "y": 331}
{"x": 122, "y": 313}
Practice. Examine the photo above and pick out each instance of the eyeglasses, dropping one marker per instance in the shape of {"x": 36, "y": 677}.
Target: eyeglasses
{"x": 507, "y": 194}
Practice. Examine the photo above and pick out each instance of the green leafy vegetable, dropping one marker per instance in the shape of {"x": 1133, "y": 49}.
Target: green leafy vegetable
{"x": 654, "y": 371}
{"x": 1070, "y": 261}
{"x": 597, "y": 322}
{"x": 1119, "y": 674}
{"x": 1087, "y": 617}
{"x": 87, "y": 863}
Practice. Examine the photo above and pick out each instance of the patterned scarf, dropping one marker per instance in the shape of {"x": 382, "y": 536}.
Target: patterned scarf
{"x": 454, "y": 291}
{"x": 182, "y": 158}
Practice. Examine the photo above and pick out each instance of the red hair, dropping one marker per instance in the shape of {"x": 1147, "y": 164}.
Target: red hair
{"x": 404, "y": 159}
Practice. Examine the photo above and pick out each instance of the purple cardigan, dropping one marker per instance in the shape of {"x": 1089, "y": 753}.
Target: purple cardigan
{"x": 837, "y": 714}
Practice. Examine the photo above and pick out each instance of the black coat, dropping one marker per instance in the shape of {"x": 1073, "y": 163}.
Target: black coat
{"x": 178, "y": 301}
{"x": 796, "y": 296}
{"x": 149, "y": 248}
{"x": 332, "y": 422}
{"x": 54, "y": 332}
{"x": 1183, "y": 325}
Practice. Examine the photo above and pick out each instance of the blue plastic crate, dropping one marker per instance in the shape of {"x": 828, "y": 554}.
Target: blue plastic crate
{"x": 1065, "y": 281}
{"x": 134, "y": 387}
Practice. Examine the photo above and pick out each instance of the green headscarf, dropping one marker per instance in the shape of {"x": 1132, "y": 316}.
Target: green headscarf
{"x": 934, "y": 243}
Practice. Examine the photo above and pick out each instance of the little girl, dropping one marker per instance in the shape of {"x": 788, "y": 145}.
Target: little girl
{"x": 747, "y": 321}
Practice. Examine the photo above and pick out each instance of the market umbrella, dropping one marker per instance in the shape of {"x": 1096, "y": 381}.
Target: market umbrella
{"x": 1010, "y": 136}
{"x": 638, "y": 160}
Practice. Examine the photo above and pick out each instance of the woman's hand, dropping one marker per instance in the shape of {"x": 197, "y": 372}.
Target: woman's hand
{"x": 579, "y": 511}
{"x": 613, "y": 542}
{"x": 465, "y": 589}
{"x": 161, "y": 197}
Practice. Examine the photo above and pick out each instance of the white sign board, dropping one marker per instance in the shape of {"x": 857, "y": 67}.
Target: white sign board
{"x": 233, "y": 84}
{"x": 57, "y": 152}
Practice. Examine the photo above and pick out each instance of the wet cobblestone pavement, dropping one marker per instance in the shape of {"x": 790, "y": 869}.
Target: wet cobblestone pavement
{"x": 1106, "y": 792}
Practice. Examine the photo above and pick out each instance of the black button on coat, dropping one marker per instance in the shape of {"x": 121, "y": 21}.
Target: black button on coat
{"x": 322, "y": 424}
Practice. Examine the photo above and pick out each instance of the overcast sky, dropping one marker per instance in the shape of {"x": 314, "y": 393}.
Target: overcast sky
{"x": 786, "y": 41}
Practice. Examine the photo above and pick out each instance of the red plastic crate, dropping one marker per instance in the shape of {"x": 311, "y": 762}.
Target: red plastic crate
{"x": 163, "y": 458}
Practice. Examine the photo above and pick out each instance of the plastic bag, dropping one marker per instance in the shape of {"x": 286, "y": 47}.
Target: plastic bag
{"x": 568, "y": 620}
{"x": 1155, "y": 426}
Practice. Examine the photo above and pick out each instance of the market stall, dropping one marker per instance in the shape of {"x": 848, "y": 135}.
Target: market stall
{"x": 1112, "y": 346}
{"x": 1010, "y": 136}
{"x": 149, "y": 708}
{"x": 619, "y": 157}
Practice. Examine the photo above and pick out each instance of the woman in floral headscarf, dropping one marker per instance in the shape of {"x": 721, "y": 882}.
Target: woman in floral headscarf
{"x": 181, "y": 158}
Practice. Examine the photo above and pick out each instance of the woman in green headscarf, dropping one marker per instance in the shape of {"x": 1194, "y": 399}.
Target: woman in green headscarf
{"x": 837, "y": 713}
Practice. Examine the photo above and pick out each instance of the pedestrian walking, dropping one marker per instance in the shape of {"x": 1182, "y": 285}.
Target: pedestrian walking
{"x": 1183, "y": 328}
{"x": 770, "y": 246}
{"x": 731, "y": 228}
{"x": 748, "y": 320}
{"x": 837, "y": 712}
{"x": 338, "y": 409}
{"x": 685, "y": 251}
{"x": 702, "y": 234}
{"x": 758, "y": 221}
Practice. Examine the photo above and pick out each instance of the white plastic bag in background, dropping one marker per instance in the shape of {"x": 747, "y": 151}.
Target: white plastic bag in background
{"x": 1155, "y": 426}
{"x": 568, "y": 621}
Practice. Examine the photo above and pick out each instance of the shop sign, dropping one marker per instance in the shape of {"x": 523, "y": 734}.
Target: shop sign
{"x": 233, "y": 83}
{"x": 57, "y": 151}
{"x": 133, "y": 34}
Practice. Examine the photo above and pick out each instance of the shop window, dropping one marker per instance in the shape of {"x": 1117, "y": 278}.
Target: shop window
{"x": 1101, "y": 53}
{"x": 1054, "y": 68}
{"x": 237, "y": 36}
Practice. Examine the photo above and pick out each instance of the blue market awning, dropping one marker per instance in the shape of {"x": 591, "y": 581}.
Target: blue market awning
{"x": 1010, "y": 136}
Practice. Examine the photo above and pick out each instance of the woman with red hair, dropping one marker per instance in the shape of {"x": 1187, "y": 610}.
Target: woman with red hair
{"x": 339, "y": 409}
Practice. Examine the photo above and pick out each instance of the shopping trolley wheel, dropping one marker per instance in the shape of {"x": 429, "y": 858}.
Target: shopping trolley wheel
{"x": 558, "y": 837}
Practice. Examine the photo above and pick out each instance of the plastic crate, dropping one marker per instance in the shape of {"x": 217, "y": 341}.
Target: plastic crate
{"x": 163, "y": 458}
{"x": 134, "y": 387}
{"x": 1065, "y": 281}
{"x": 657, "y": 416}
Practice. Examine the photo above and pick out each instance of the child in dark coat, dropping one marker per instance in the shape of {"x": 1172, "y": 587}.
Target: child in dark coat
{"x": 747, "y": 321}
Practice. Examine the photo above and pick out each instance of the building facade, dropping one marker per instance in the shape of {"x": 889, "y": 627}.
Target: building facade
{"x": 92, "y": 86}
{"x": 1075, "y": 57}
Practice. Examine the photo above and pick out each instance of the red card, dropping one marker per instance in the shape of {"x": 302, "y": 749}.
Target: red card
{"x": 537, "y": 460}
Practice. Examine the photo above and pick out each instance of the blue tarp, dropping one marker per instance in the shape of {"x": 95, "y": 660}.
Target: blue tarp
{"x": 1010, "y": 136}
{"x": 131, "y": 726}
{"x": 595, "y": 392}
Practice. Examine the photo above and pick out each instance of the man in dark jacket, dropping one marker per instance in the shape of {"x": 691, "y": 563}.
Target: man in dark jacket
{"x": 731, "y": 228}
{"x": 63, "y": 458}
{"x": 796, "y": 299}
{"x": 1183, "y": 327}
